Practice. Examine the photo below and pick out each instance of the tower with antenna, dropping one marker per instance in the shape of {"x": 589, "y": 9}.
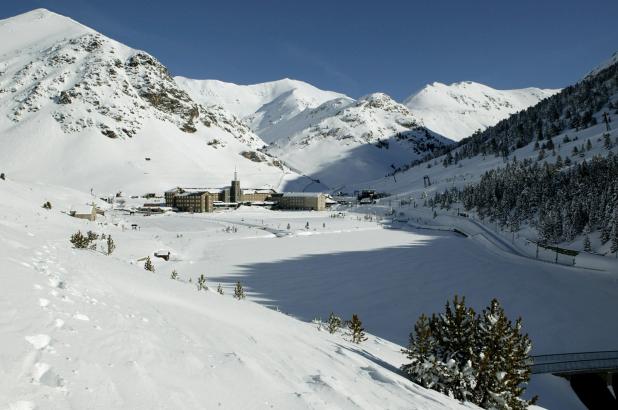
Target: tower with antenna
{"x": 235, "y": 191}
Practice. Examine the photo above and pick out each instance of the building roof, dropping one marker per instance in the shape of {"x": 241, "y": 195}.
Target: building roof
{"x": 195, "y": 190}
{"x": 303, "y": 194}
{"x": 258, "y": 191}
{"x": 82, "y": 209}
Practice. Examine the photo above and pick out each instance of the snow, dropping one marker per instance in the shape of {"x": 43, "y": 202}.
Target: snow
{"x": 117, "y": 336}
{"x": 347, "y": 265}
{"x": 611, "y": 61}
{"x": 78, "y": 327}
{"x": 343, "y": 142}
{"x": 457, "y": 110}
{"x": 113, "y": 91}
{"x": 263, "y": 105}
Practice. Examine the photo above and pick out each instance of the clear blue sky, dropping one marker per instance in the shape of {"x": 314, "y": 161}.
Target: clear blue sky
{"x": 358, "y": 47}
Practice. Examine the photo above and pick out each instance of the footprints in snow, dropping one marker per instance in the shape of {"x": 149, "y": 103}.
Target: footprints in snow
{"x": 39, "y": 342}
{"x": 43, "y": 373}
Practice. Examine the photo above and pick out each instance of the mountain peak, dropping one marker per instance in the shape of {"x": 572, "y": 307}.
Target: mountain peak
{"x": 459, "y": 109}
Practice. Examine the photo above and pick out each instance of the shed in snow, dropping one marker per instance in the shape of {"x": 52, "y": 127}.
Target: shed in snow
{"x": 85, "y": 212}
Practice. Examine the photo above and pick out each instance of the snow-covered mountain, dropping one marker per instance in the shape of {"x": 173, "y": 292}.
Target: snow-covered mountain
{"x": 75, "y": 105}
{"x": 344, "y": 141}
{"x": 325, "y": 135}
{"x": 262, "y": 105}
{"x": 457, "y": 110}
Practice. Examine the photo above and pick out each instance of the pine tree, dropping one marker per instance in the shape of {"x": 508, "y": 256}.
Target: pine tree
{"x": 605, "y": 234}
{"x": 148, "y": 265}
{"x": 174, "y": 275}
{"x": 92, "y": 236}
{"x": 110, "y": 245}
{"x": 424, "y": 368}
{"x": 478, "y": 358}
{"x": 587, "y": 245}
{"x": 79, "y": 241}
{"x": 613, "y": 236}
{"x": 334, "y": 323}
{"x": 502, "y": 367}
{"x": 607, "y": 142}
{"x": 201, "y": 283}
{"x": 219, "y": 289}
{"x": 239, "y": 292}
{"x": 455, "y": 334}
{"x": 356, "y": 330}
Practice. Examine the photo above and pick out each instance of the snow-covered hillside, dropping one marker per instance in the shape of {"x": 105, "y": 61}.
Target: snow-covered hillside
{"x": 261, "y": 105}
{"x": 325, "y": 135}
{"x": 80, "y": 329}
{"x": 300, "y": 121}
{"x": 75, "y": 105}
{"x": 343, "y": 141}
{"x": 459, "y": 109}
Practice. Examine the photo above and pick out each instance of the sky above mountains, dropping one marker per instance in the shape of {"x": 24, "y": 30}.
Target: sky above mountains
{"x": 358, "y": 47}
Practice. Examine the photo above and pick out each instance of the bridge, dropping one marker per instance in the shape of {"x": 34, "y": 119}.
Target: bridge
{"x": 591, "y": 374}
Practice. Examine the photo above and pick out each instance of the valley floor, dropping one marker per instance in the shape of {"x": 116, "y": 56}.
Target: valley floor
{"x": 80, "y": 327}
{"x": 389, "y": 276}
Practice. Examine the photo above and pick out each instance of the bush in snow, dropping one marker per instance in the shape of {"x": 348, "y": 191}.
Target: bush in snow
{"x": 46, "y": 205}
{"x": 478, "y": 358}
{"x": 334, "y": 323}
{"x": 148, "y": 265}
{"x": 174, "y": 275}
{"x": 110, "y": 245}
{"x": 357, "y": 332}
{"x": 201, "y": 283}
{"x": 219, "y": 289}
{"x": 79, "y": 240}
{"x": 239, "y": 292}
{"x": 92, "y": 236}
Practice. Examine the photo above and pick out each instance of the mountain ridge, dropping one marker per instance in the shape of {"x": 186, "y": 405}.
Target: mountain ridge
{"x": 75, "y": 103}
{"x": 457, "y": 110}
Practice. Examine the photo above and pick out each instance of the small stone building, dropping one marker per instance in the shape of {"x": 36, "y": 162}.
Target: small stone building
{"x": 86, "y": 212}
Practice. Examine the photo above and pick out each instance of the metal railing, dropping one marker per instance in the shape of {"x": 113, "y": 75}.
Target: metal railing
{"x": 571, "y": 363}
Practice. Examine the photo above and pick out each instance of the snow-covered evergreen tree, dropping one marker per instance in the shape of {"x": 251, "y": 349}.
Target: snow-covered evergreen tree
{"x": 111, "y": 246}
{"x": 239, "y": 292}
{"x": 502, "y": 361}
{"x": 357, "y": 332}
{"x": 148, "y": 265}
{"x": 455, "y": 335}
{"x": 201, "y": 283}
{"x": 423, "y": 367}
{"x": 334, "y": 323}
{"x": 478, "y": 358}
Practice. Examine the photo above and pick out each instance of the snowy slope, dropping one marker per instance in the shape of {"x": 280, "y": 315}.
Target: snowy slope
{"x": 80, "y": 329}
{"x": 75, "y": 105}
{"x": 609, "y": 62}
{"x": 262, "y": 105}
{"x": 324, "y": 135}
{"x": 343, "y": 141}
{"x": 459, "y": 109}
